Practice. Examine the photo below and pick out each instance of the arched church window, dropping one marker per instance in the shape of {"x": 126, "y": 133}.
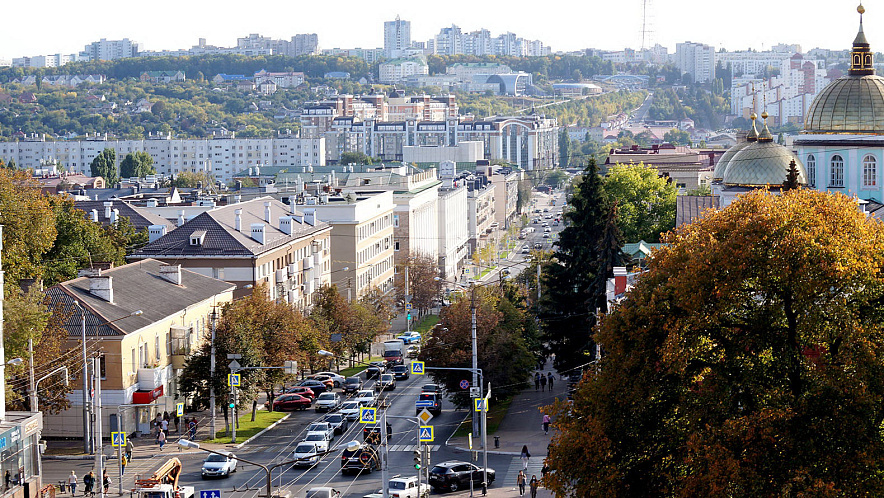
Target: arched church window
{"x": 811, "y": 170}
{"x": 836, "y": 171}
{"x": 870, "y": 171}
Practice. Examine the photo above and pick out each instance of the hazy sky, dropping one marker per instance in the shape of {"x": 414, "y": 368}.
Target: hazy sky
{"x": 55, "y": 26}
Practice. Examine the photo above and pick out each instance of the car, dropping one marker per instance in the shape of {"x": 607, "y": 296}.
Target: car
{"x": 315, "y": 386}
{"x": 525, "y": 250}
{"x": 351, "y": 384}
{"x": 556, "y": 223}
{"x": 325, "y": 379}
{"x": 350, "y": 409}
{"x": 323, "y": 427}
{"x": 323, "y": 492}
{"x": 545, "y": 210}
{"x": 318, "y": 438}
{"x": 547, "y": 230}
{"x": 338, "y": 422}
{"x": 302, "y": 390}
{"x": 407, "y": 487}
{"x": 400, "y": 372}
{"x": 327, "y": 402}
{"x": 430, "y": 401}
{"x": 307, "y": 452}
{"x": 410, "y": 337}
{"x": 538, "y": 245}
{"x": 364, "y": 459}
{"x": 218, "y": 465}
{"x": 366, "y": 397}
{"x": 504, "y": 272}
{"x": 548, "y": 217}
{"x": 393, "y": 357}
{"x": 454, "y": 475}
{"x": 546, "y": 235}
{"x": 413, "y": 350}
{"x": 431, "y": 388}
{"x": 291, "y": 402}
{"x": 386, "y": 382}
{"x": 338, "y": 379}
{"x": 373, "y": 371}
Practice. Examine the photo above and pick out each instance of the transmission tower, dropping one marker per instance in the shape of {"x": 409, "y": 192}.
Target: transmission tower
{"x": 647, "y": 24}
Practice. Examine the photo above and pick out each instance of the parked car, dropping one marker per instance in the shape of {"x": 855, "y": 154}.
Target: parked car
{"x": 400, "y": 372}
{"x": 322, "y": 427}
{"x": 351, "y": 384}
{"x": 410, "y": 337}
{"x": 366, "y": 397}
{"x": 338, "y": 422}
{"x": 291, "y": 402}
{"x": 407, "y": 487}
{"x": 365, "y": 459}
{"x": 301, "y": 390}
{"x": 218, "y": 465}
{"x": 307, "y": 451}
{"x": 319, "y": 438}
{"x": 338, "y": 379}
{"x": 327, "y": 402}
{"x": 386, "y": 382}
{"x": 454, "y": 475}
{"x": 350, "y": 409}
{"x": 315, "y": 386}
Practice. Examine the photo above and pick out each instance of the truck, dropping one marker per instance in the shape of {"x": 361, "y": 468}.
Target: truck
{"x": 164, "y": 483}
{"x": 394, "y": 352}
{"x": 407, "y": 487}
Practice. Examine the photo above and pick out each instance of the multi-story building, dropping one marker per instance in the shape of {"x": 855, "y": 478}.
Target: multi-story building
{"x": 141, "y": 355}
{"x": 397, "y": 37}
{"x": 55, "y": 60}
{"x": 369, "y": 55}
{"x": 453, "y": 41}
{"x": 480, "y": 212}
{"x": 454, "y": 233}
{"x": 221, "y": 157}
{"x": 108, "y": 50}
{"x": 697, "y": 60}
{"x": 686, "y": 167}
{"x": 287, "y": 79}
{"x": 398, "y": 70}
{"x": 300, "y": 44}
{"x": 506, "y": 196}
{"x": 256, "y": 242}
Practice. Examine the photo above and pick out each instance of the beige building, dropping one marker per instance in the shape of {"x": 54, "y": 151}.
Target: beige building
{"x": 141, "y": 355}
{"x": 686, "y": 167}
{"x": 260, "y": 241}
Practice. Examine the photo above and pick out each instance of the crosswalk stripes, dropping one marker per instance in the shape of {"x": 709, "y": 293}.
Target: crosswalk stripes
{"x": 534, "y": 466}
{"x": 411, "y": 447}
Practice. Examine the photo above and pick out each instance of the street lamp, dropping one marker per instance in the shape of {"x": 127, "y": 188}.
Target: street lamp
{"x": 184, "y": 443}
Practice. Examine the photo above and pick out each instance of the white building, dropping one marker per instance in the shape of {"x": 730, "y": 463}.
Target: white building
{"x": 55, "y": 60}
{"x": 454, "y": 233}
{"x": 787, "y": 96}
{"x": 463, "y": 152}
{"x": 398, "y": 70}
{"x": 696, "y": 59}
{"x": 397, "y": 38}
{"x": 108, "y": 50}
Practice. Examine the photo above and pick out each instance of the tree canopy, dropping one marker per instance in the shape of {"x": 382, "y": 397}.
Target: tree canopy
{"x": 138, "y": 164}
{"x": 646, "y": 201}
{"x": 105, "y": 166}
{"x": 744, "y": 362}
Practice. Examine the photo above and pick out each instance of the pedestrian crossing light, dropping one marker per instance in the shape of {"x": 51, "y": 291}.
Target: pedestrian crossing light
{"x": 417, "y": 459}
{"x": 408, "y": 317}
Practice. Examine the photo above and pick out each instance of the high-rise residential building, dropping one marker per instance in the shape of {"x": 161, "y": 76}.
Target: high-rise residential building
{"x": 449, "y": 41}
{"x": 697, "y": 60}
{"x": 108, "y": 50}
{"x": 397, "y": 37}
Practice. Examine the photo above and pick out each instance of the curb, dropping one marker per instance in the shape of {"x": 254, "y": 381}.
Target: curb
{"x": 467, "y": 450}
{"x": 271, "y": 426}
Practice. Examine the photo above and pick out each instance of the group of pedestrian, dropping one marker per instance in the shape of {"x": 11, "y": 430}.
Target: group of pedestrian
{"x": 533, "y": 484}
{"x": 541, "y": 380}
{"x": 89, "y": 483}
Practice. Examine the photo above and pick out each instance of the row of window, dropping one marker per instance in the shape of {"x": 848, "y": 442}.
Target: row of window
{"x": 836, "y": 171}
{"x": 372, "y": 251}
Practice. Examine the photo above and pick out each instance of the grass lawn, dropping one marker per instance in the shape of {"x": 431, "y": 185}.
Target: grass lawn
{"x": 486, "y": 271}
{"x": 350, "y": 372}
{"x": 426, "y": 324}
{"x": 247, "y": 428}
{"x": 495, "y": 416}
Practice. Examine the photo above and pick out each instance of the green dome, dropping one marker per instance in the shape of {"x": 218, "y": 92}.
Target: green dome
{"x": 721, "y": 165}
{"x": 761, "y": 164}
{"x": 849, "y": 105}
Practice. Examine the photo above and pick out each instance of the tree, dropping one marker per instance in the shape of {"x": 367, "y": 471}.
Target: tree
{"x": 677, "y": 137}
{"x": 744, "y": 362}
{"x": 186, "y": 179}
{"x": 137, "y": 165}
{"x": 355, "y": 158}
{"x": 29, "y": 229}
{"x": 564, "y": 148}
{"x": 423, "y": 288}
{"x": 646, "y": 200}
{"x": 105, "y": 166}
{"x": 555, "y": 178}
{"x": 791, "y": 177}
{"x": 610, "y": 255}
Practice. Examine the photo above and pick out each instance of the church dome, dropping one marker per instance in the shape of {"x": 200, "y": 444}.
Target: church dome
{"x": 721, "y": 165}
{"x": 763, "y": 163}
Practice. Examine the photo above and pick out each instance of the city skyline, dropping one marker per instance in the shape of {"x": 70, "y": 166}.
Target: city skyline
{"x": 559, "y": 25}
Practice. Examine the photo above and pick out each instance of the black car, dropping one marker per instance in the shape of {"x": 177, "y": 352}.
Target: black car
{"x": 454, "y": 475}
{"x": 351, "y": 384}
{"x": 431, "y": 388}
{"x": 315, "y": 386}
{"x": 373, "y": 371}
{"x": 400, "y": 372}
{"x": 338, "y": 422}
{"x": 365, "y": 459}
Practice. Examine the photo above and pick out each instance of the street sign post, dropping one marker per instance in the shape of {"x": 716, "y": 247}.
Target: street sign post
{"x": 210, "y": 493}
{"x": 426, "y": 434}
{"x": 233, "y": 380}
{"x": 179, "y": 409}
{"x": 417, "y": 368}
{"x": 425, "y": 416}
{"x": 118, "y": 439}
{"x": 464, "y": 384}
{"x": 368, "y": 415}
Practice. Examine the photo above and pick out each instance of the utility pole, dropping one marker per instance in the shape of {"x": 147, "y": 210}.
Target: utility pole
{"x": 99, "y": 450}
{"x": 212, "y": 381}
{"x": 475, "y": 350}
{"x": 33, "y": 388}
{"x": 385, "y": 457}
{"x": 87, "y": 448}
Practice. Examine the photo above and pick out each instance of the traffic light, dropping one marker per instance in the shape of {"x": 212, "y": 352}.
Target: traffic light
{"x": 426, "y": 449}
{"x": 417, "y": 459}
{"x": 408, "y": 317}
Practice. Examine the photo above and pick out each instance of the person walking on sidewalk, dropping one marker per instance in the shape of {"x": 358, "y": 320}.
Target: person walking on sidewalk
{"x": 520, "y": 480}
{"x": 161, "y": 439}
{"x": 106, "y": 481}
{"x": 525, "y": 456}
{"x": 534, "y": 484}
{"x": 88, "y": 483}
{"x": 536, "y": 381}
{"x": 129, "y": 448}
{"x": 550, "y": 378}
{"x": 545, "y": 423}
{"x": 542, "y": 383}
{"x": 192, "y": 427}
{"x": 72, "y": 482}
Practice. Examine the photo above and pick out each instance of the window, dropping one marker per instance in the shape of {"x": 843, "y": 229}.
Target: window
{"x": 156, "y": 347}
{"x": 134, "y": 361}
{"x": 811, "y": 170}
{"x": 396, "y": 245}
{"x": 870, "y": 171}
{"x": 395, "y": 220}
{"x": 836, "y": 171}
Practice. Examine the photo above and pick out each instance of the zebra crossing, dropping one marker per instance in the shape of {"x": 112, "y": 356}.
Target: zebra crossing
{"x": 412, "y": 447}
{"x": 509, "y": 478}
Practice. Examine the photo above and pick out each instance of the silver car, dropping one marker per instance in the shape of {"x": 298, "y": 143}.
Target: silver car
{"x": 218, "y": 465}
{"x": 306, "y": 451}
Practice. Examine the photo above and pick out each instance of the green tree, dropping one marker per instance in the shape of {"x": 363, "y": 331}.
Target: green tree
{"x": 646, "y": 201}
{"x": 555, "y": 178}
{"x": 423, "y": 288}
{"x": 186, "y": 179}
{"x": 137, "y": 165}
{"x": 355, "y": 158}
{"x": 29, "y": 229}
{"x": 792, "y": 176}
{"x": 105, "y": 166}
{"x": 677, "y": 137}
{"x": 564, "y": 148}
{"x": 744, "y": 362}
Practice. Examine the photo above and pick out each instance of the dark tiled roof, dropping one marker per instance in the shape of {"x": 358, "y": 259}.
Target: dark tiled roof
{"x": 137, "y": 286}
{"x": 140, "y": 218}
{"x": 222, "y": 238}
{"x": 690, "y": 207}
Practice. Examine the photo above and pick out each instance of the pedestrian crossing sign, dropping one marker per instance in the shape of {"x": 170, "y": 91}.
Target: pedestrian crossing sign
{"x": 426, "y": 434}
{"x": 179, "y": 409}
{"x": 481, "y": 404}
{"x": 233, "y": 380}
{"x": 417, "y": 367}
{"x": 367, "y": 415}
{"x": 118, "y": 439}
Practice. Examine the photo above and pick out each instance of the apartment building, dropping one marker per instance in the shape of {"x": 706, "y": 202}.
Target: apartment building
{"x": 697, "y": 60}
{"x": 397, "y": 37}
{"x": 108, "y": 50}
{"x": 397, "y": 71}
{"x": 256, "y": 242}
{"x": 480, "y": 212}
{"x": 454, "y": 233}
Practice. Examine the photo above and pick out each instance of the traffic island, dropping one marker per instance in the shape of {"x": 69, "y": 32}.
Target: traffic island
{"x": 247, "y": 428}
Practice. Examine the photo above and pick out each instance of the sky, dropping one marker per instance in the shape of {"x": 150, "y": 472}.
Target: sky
{"x": 56, "y": 26}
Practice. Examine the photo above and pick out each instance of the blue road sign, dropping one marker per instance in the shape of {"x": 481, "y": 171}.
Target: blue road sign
{"x": 367, "y": 415}
{"x": 481, "y": 404}
{"x": 464, "y": 384}
{"x": 233, "y": 380}
{"x": 407, "y": 306}
{"x": 417, "y": 367}
{"x": 210, "y": 493}
{"x": 118, "y": 439}
{"x": 426, "y": 433}
{"x": 179, "y": 409}
{"x": 423, "y": 403}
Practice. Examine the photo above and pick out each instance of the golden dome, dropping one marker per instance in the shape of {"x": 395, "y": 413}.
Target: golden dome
{"x": 760, "y": 164}
{"x": 848, "y": 105}
{"x": 721, "y": 165}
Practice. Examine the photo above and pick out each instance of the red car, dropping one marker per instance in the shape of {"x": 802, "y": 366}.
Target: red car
{"x": 303, "y": 391}
{"x": 291, "y": 402}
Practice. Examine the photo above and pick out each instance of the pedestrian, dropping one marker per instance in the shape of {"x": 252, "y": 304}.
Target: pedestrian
{"x": 545, "y": 423}
{"x": 520, "y": 480}
{"x": 525, "y": 456}
{"x": 167, "y": 417}
{"x": 8, "y": 477}
{"x": 536, "y": 381}
{"x": 534, "y": 484}
{"x": 88, "y": 483}
{"x": 123, "y": 462}
{"x": 72, "y": 482}
{"x": 164, "y": 427}
{"x": 129, "y": 448}
{"x": 550, "y": 378}
{"x": 176, "y": 420}
{"x": 542, "y": 382}
{"x": 105, "y": 481}
{"x": 192, "y": 427}
{"x": 161, "y": 439}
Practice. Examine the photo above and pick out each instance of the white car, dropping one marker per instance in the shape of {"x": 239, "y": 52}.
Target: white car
{"x": 320, "y": 439}
{"x": 407, "y": 487}
{"x": 322, "y": 427}
{"x": 366, "y": 397}
{"x": 327, "y": 402}
{"x": 308, "y": 451}
{"x": 218, "y": 465}
{"x": 338, "y": 379}
{"x": 350, "y": 409}
{"x": 323, "y": 492}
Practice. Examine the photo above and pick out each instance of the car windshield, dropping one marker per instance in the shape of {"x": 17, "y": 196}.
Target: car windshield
{"x": 317, "y": 427}
{"x": 327, "y": 396}
{"x": 350, "y": 405}
{"x": 439, "y": 470}
{"x": 334, "y": 418}
{"x": 305, "y": 448}
{"x": 315, "y": 437}
{"x": 400, "y": 368}
{"x": 397, "y": 485}
{"x": 431, "y": 388}
{"x": 351, "y": 380}
{"x": 365, "y": 394}
{"x": 386, "y": 377}
{"x": 392, "y": 353}
{"x": 216, "y": 458}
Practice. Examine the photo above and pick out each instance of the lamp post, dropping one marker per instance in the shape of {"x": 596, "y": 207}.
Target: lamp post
{"x": 87, "y": 447}
{"x": 351, "y": 446}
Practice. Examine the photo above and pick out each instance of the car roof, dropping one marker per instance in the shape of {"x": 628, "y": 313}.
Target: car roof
{"x": 450, "y": 463}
